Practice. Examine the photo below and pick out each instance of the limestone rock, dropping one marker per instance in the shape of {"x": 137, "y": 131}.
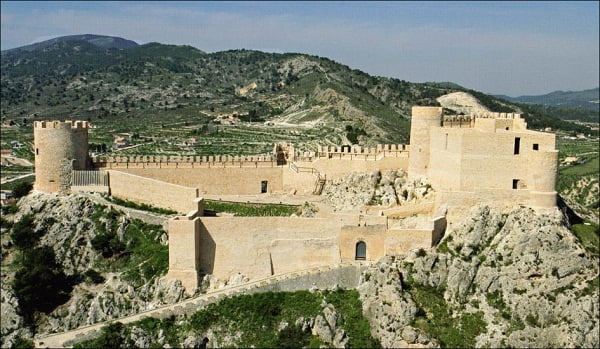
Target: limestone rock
{"x": 375, "y": 188}
{"x": 526, "y": 272}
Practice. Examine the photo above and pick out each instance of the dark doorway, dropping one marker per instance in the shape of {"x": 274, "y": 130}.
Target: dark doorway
{"x": 263, "y": 186}
{"x": 345, "y": 148}
{"x": 517, "y": 145}
{"x": 361, "y": 251}
{"x": 515, "y": 184}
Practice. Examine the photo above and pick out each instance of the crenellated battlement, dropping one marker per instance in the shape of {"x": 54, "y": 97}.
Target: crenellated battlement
{"x": 470, "y": 120}
{"x": 495, "y": 115}
{"x": 183, "y": 159}
{"x": 354, "y": 152}
{"x": 357, "y": 149}
{"x": 56, "y": 124}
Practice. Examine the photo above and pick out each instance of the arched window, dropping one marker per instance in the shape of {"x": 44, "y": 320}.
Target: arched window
{"x": 361, "y": 251}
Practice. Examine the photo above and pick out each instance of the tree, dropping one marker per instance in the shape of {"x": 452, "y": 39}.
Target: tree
{"x": 40, "y": 284}
{"x": 22, "y": 189}
{"x": 22, "y": 233}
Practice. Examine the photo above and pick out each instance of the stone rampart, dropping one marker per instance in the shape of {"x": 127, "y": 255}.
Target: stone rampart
{"x": 153, "y": 192}
{"x": 354, "y": 152}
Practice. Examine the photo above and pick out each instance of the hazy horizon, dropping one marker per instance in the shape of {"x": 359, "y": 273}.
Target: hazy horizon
{"x": 509, "y": 48}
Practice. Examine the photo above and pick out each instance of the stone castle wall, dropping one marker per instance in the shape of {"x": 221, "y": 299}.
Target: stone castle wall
{"x": 152, "y": 192}
{"x": 490, "y": 158}
{"x": 244, "y": 174}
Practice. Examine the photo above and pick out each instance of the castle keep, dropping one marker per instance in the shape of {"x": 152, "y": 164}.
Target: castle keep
{"x": 486, "y": 158}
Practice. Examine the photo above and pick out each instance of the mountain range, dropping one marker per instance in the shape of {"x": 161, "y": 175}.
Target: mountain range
{"x": 587, "y": 99}
{"x": 101, "y": 77}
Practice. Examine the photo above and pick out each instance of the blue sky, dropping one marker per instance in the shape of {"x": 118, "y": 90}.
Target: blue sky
{"x": 509, "y": 48}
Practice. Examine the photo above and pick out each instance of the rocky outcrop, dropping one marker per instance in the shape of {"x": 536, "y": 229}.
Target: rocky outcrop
{"x": 375, "y": 188}
{"x": 13, "y": 325}
{"x": 68, "y": 224}
{"x": 461, "y": 102}
{"x": 525, "y": 272}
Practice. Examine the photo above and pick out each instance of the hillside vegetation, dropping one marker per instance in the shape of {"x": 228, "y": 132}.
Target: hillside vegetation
{"x": 180, "y": 92}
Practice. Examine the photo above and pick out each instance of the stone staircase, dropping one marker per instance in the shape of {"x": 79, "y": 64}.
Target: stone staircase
{"x": 343, "y": 275}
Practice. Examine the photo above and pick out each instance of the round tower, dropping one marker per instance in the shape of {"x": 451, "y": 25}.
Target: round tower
{"x": 59, "y": 147}
{"x": 422, "y": 119}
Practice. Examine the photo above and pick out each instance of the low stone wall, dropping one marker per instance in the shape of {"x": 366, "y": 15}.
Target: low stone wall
{"x": 216, "y": 180}
{"x": 345, "y": 276}
{"x": 153, "y": 192}
{"x": 409, "y": 210}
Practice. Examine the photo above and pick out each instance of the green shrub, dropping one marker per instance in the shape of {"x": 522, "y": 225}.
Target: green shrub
{"x": 10, "y": 209}
{"x": 140, "y": 206}
{"x": 40, "y": 284}
{"x": 588, "y": 235}
{"x": 93, "y": 276}
{"x": 21, "y": 342}
{"x": 433, "y": 316}
{"x": 108, "y": 244}
{"x": 292, "y": 337}
{"x": 251, "y": 209}
{"x": 112, "y": 336}
{"x": 22, "y": 233}
{"x": 22, "y": 189}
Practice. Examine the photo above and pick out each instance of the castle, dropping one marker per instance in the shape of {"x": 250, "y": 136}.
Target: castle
{"x": 488, "y": 158}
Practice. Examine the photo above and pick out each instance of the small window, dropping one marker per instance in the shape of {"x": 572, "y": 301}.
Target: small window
{"x": 446, "y": 146}
{"x": 536, "y": 146}
{"x": 515, "y": 184}
{"x": 507, "y": 128}
{"x": 517, "y": 145}
{"x": 263, "y": 186}
{"x": 361, "y": 251}
{"x": 37, "y": 151}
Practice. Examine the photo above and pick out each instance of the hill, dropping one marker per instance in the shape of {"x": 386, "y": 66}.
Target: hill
{"x": 101, "y": 41}
{"x": 239, "y": 101}
{"x": 586, "y": 99}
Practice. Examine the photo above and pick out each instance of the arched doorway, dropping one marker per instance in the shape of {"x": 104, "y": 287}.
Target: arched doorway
{"x": 361, "y": 251}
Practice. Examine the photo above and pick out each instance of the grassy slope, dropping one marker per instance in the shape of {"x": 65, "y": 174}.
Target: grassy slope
{"x": 254, "y": 320}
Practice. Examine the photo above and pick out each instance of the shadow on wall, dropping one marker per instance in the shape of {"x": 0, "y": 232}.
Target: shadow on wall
{"x": 208, "y": 249}
{"x": 439, "y": 230}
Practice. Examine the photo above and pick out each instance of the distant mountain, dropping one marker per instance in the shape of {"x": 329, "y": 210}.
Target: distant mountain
{"x": 588, "y": 99}
{"x": 101, "y": 41}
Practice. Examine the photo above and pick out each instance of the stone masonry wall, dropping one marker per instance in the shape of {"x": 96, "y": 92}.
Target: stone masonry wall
{"x": 153, "y": 192}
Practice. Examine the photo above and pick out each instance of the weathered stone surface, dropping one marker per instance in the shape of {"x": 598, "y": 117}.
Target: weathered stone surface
{"x": 531, "y": 261}
{"x": 387, "y": 188}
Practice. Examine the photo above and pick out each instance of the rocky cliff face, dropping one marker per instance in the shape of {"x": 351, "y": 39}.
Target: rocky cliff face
{"x": 523, "y": 276}
{"x": 69, "y": 224}
{"x": 375, "y": 188}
